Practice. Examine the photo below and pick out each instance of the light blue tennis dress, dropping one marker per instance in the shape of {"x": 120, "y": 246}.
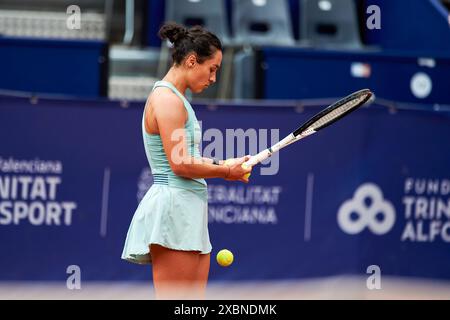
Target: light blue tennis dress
{"x": 174, "y": 211}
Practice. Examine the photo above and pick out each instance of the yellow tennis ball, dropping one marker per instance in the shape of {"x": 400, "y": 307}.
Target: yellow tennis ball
{"x": 225, "y": 258}
{"x": 247, "y": 175}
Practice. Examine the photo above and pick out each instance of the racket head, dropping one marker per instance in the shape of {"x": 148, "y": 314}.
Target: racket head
{"x": 335, "y": 112}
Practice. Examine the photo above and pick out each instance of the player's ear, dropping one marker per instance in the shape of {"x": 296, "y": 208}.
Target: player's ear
{"x": 191, "y": 61}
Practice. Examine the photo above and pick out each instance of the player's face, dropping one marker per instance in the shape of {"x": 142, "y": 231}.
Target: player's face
{"x": 202, "y": 75}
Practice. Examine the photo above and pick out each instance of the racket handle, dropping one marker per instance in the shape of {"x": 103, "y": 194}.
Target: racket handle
{"x": 254, "y": 160}
{"x": 263, "y": 155}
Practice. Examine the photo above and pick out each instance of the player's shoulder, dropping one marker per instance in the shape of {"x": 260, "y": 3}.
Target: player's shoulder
{"x": 165, "y": 96}
{"x": 166, "y": 103}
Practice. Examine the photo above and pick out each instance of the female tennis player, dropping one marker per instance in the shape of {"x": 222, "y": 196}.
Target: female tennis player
{"x": 170, "y": 226}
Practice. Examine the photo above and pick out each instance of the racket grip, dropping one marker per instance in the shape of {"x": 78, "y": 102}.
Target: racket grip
{"x": 254, "y": 160}
{"x": 263, "y": 155}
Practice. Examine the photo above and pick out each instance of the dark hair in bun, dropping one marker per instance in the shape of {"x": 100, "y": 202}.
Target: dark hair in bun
{"x": 196, "y": 39}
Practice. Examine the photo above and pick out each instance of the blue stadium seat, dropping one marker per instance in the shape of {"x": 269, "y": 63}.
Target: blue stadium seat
{"x": 208, "y": 13}
{"x": 262, "y": 22}
{"x": 325, "y": 23}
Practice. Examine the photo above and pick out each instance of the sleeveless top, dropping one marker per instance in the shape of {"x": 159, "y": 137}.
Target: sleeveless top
{"x": 156, "y": 156}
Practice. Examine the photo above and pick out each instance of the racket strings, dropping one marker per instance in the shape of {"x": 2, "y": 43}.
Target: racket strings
{"x": 336, "y": 113}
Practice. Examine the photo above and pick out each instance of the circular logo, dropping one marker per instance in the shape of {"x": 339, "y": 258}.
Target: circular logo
{"x": 421, "y": 85}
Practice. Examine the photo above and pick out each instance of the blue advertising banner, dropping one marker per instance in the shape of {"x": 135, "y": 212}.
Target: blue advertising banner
{"x": 373, "y": 189}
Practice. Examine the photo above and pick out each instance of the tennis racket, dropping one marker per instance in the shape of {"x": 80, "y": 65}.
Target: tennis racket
{"x": 321, "y": 120}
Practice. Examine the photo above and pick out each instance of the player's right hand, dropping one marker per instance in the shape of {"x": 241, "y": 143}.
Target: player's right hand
{"x": 237, "y": 172}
